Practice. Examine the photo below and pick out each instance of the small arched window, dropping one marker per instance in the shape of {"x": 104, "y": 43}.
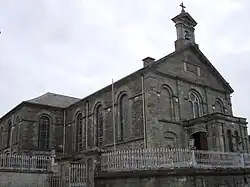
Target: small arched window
{"x": 187, "y": 35}
{"x": 18, "y": 119}
{"x": 44, "y": 132}
{"x": 219, "y": 106}
{"x": 123, "y": 116}
{"x": 195, "y": 103}
{"x": 79, "y": 132}
{"x": 230, "y": 141}
{"x": 99, "y": 125}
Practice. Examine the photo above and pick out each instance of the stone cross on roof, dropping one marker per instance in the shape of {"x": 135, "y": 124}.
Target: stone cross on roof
{"x": 183, "y": 7}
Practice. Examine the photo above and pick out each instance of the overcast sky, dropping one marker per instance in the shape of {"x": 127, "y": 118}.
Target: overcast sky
{"x": 75, "y": 47}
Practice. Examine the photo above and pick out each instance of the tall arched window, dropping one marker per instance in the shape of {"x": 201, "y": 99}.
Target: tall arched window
{"x": 230, "y": 141}
{"x": 237, "y": 140}
{"x": 99, "y": 125}
{"x": 9, "y": 132}
{"x": 89, "y": 128}
{"x": 219, "y": 106}
{"x": 15, "y": 130}
{"x": 1, "y": 138}
{"x": 195, "y": 103}
{"x": 166, "y": 103}
{"x": 44, "y": 132}
{"x": 123, "y": 117}
{"x": 79, "y": 132}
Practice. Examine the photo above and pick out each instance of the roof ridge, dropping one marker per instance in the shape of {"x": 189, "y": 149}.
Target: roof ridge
{"x": 39, "y": 97}
{"x": 63, "y": 95}
{"x": 54, "y": 94}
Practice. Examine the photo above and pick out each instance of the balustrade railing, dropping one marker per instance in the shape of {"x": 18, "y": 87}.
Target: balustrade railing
{"x": 23, "y": 162}
{"x": 77, "y": 175}
{"x": 246, "y": 158}
{"x": 214, "y": 159}
{"x": 144, "y": 159}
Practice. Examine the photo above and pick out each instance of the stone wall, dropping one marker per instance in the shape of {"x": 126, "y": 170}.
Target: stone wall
{"x": 167, "y": 98}
{"x": 148, "y": 182}
{"x": 30, "y": 126}
{"x": 14, "y": 179}
{"x": 25, "y": 128}
{"x": 132, "y": 88}
{"x": 176, "y": 179}
{"x": 12, "y": 120}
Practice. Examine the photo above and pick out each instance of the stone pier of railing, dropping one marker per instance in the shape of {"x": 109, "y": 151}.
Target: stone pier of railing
{"x": 161, "y": 158}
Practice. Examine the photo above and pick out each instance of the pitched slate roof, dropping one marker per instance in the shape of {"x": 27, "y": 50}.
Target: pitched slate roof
{"x": 55, "y": 100}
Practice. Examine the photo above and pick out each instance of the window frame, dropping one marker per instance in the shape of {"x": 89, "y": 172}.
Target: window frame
{"x": 47, "y": 131}
{"x": 99, "y": 123}
{"x": 79, "y": 132}
{"x": 123, "y": 119}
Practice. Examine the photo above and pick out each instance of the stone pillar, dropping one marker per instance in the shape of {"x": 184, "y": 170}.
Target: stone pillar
{"x": 53, "y": 160}
{"x": 221, "y": 138}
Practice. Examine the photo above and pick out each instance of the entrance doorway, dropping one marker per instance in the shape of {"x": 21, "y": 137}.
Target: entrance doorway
{"x": 200, "y": 140}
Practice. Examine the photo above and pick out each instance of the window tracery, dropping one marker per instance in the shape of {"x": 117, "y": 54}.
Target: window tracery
{"x": 195, "y": 104}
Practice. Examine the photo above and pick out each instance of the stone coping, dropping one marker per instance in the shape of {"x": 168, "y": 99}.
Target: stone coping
{"x": 173, "y": 172}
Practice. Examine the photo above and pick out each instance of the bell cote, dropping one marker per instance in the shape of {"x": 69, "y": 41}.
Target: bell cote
{"x": 185, "y": 27}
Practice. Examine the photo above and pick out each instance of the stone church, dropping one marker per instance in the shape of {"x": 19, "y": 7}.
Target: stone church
{"x": 178, "y": 101}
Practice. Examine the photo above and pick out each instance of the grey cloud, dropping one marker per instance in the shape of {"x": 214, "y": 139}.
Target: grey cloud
{"x": 76, "y": 47}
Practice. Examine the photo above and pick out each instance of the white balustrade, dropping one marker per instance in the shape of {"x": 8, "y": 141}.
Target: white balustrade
{"x": 24, "y": 162}
{"x": 145, "y": 159}
{"x": 246, "y": 158}
{"x": 77, "y": 175}
{"x": 214, "y": 159}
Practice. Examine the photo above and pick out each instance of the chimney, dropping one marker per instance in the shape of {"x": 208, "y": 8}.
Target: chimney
{"x": 148, "y": 61}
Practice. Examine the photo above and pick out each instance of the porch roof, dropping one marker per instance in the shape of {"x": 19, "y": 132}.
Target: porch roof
{"x": 213, "y": 117}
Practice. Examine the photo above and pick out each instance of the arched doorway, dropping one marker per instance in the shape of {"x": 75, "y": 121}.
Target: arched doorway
{"x": 200, "y": 140}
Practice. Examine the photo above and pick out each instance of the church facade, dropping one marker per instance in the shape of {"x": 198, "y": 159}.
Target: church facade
{"x": 179, "y": 101}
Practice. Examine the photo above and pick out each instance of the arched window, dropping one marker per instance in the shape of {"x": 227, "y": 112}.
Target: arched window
{"x": 123, "y": 117}
{"x": 195, "y": 103}
{"x": 9, "y": 132}
{"x": 230, "y": 141}
{"x": 89, "y": 126}
{"x": 187, "y": 35}
{"x": 99, "y": 125}
{"x": 44, "y": 132}
{"x": 166, "y": 103}
{"x": 79, "y": 132}
{"x": 1, "y": 138}
{"x": 237, "y": 140}
{"x": 219, "y": 106}
{"x": 14, "y": 134}
{"x": 18, "y": 119}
